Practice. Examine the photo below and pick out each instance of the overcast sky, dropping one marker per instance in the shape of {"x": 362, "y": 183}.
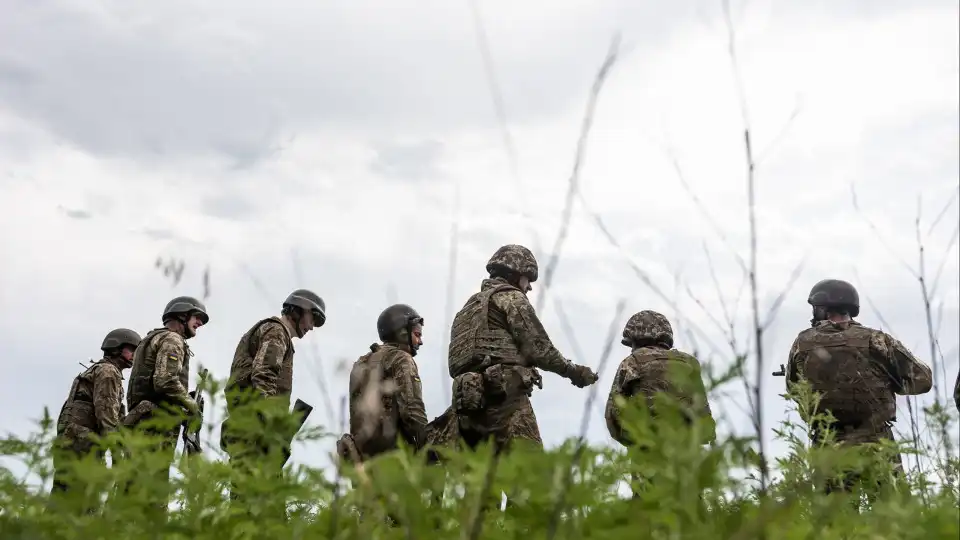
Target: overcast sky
{"x": 330, "y": 145}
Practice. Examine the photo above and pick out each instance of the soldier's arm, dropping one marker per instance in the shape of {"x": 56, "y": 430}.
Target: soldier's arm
{"x": 792, "y": 374}
{"x": 612, "y": 412}
{"x": 702, "y": 402}
{"x": 409, "y": 398}
{"x": 107, "y": 388}
{"x": 166, "y": 375}
{"x": 909, "y": 375}
{"x": 529, "y": 334}
{"x": 269, "y": 357}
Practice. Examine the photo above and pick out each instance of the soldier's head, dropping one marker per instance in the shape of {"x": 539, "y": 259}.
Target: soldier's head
{"x": 401, "y": 325}
{"x": 834, "y": 300}
{"x": 516, "y": 264}
{"x": 306, "y": 310}
{"x": 184, "y": 315}
{"x": 120, "y": 344}
{"x": 648, "y": 329}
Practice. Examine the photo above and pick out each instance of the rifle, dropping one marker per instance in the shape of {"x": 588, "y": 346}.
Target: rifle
{"x": 302, "y": 409}
{"x": 191, "y": 438}
{"x": 781, "y": 373}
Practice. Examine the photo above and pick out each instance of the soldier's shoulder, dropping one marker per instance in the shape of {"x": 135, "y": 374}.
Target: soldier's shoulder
{"x": 511, "y": 297}
{"x": 169, "y": 337}
{"x": 107, "y": 371}
{"x": 683, "y": 355}
{"x": 272, "y": 328}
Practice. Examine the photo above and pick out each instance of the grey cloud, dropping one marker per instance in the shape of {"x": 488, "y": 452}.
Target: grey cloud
{"x": 75, "y": 214}
{"x": 229, "y": 206}
{"x": 408, "y": 161}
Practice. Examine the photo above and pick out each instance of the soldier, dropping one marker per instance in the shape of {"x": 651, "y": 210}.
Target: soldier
{"x": 858, "y": 371}
{"x": 386, "y": 396}
{"x": 497, "y": 344}
{"x": 655, "y": 367}
{"x": 262, "y": 368}
{"x": 94, "y": 406}
{"x": 159, "y": 379}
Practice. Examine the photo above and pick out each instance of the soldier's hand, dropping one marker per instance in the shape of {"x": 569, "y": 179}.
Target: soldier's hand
{"x": 191, "y": 406}
{"x": 581, "y": 376}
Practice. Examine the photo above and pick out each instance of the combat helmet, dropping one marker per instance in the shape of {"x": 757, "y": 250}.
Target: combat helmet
{"x": 118, "y": 338}
{"x": 835, "y": 293}
{"x": 514, "y": 258}
{"x": 649, "y": 326}
{"x": 396, "y": 320}
{"x": 185, "y": 305}
{"x": 309, "y": 301}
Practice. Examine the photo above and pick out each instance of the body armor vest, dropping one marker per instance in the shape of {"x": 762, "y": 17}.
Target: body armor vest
{"x": 839, "y": 365}
{"x": 78, "y": 409}
{"x": 479, "y": 337}
{"x": 241, "y": 370}
{"x": 144, "y": 365}
{"x": 374, "y": 420}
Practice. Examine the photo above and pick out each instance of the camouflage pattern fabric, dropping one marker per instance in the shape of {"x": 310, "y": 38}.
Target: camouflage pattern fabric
{"x": 857, "y": 370}
{"x": 94, "y": 406}
{"x": 653, "y": 370}
{"x": 386, "y": 401}
{"x": 515, "y": 258}
{"x": 648, "y": 326}
{"x": 161, "y": 369}
{"x": 263, "y": 359}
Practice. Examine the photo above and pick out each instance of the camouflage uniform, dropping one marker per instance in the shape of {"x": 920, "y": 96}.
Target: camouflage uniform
{"x": 655, "y": 367}
{"x": 386, "y": 395}
{"x": 159, "y": 379}
{"x": 94, "y": 406}
{"x": 858, "y": 371}
{"x": 497, "y": 345}
{"x": 262, "y": 368}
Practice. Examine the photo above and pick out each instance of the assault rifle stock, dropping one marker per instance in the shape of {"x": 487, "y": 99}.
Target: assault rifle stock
{"x": 191, "y": 437}
{"x": 302, "y": 410}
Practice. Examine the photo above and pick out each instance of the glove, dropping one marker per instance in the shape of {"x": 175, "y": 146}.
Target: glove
{"x": 191, "y": 406}
{"x": 581, "y": 376}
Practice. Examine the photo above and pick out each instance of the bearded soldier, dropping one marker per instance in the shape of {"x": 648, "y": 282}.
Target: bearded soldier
{"x": 94, "y": 405}
{"x": 160, "y": 376}
{"x": 263, "y": 369}
{"x": 858, "y": 371}
{"x": 386, "y": 395}
{"x": 653, "y": 367}
{"x": 497, "y": 345}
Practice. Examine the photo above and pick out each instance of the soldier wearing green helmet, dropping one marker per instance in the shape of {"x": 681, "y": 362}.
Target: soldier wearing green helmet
{"x": 94, "y": 406}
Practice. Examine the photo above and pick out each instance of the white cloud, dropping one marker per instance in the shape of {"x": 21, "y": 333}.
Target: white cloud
{"x": 352, "y": 156}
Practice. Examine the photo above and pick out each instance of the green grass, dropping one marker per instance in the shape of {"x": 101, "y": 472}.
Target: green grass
{"x": 567, "y": 492}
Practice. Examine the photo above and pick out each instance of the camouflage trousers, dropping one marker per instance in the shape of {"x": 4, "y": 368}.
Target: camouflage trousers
{"x": 504, "y": 423}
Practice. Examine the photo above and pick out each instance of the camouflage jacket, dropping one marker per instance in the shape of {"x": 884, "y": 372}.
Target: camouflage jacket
{"x": 652, "y": 370}
{"x": 856, "y": 369}
{"x": 95, "y": 401}
{"x": 161, "y": 369}
{"x": 386, "y": 400}
{"x": 263, "y": 360}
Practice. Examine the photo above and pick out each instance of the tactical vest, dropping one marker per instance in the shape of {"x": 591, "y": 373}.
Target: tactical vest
{"x": 839, "y": 366}
{"x": 78, "y": 409}
{"x": 374, "y": 431}
{"x": 475, "y": 344}
{"x": 141, "y": 387}
{"x": 241, "y": 370}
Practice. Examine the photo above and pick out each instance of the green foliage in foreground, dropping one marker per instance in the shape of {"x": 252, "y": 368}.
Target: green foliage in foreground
{"x": 568, "y": 492}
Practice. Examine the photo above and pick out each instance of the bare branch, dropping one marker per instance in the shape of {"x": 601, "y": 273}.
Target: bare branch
{"x": 778, "y": 301}
{"x": 752, "y": 213}
{"x": 573, "y": 185}
{"x": 499, "y": 108}
{"x": 876, "y": 231}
